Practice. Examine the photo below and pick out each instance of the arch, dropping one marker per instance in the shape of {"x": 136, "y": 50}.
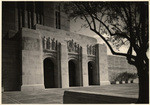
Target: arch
{"x": 73, "y": 57}
{"x": 74, "y": 73}
{"x": 50, "y": 56}
{"x": 93, "y": 74}
{"x": 49, "y": 67}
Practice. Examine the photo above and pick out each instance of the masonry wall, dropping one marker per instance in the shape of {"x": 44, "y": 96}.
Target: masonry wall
{"x": 118, "y": 64}
{"x": 11, "y": 72}
{"x": 62, "y": 37}
{"x": 32, "y": 68}
{"x": 8, "y": 18}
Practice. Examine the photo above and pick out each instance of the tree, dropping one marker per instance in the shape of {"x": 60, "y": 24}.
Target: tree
{"x": 120, "y": 23}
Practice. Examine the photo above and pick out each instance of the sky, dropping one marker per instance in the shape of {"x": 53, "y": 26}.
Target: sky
{"x": 75, "y": 26}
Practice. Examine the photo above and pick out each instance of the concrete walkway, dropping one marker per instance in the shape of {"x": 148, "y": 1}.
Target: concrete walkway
{"x": 55, "y": 96}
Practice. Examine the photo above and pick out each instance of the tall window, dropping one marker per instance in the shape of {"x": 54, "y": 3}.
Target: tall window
{"x": 57, "y": 17}
{"x": 21, "y": 15}
{"x": 30, "y": 14}
{"x": 39, "y": 12}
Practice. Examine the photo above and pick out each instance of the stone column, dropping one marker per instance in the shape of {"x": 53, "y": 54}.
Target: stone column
{"x": 32, "y": 63}
{"x": 34, "y": 14}
{"x": 25, "y": 16}
{"x": 64, "y": 66}
{"x": 58, "y": 66}
{"x": 84, "y": 67}
{"x": 102, "y": 64}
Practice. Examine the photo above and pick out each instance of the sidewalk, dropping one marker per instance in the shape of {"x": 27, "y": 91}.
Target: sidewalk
{"x": 55, "y": 96}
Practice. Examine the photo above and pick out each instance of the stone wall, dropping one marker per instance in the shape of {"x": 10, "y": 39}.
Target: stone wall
{"x": 11, "y": 72}
{"x": 64, "y": 36}
{"x": 118, "y": 64}
{"x": 32, "y": 64}
{"x": 49, "y": 17}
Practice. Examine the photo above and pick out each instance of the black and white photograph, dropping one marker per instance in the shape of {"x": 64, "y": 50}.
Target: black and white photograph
{"x": 75, "y": 52}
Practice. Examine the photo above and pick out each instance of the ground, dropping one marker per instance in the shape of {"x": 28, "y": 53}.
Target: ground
{"x": 55, "y": 96}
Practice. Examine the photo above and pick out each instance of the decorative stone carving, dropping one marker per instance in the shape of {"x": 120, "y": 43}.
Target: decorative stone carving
{"x": 91, "y": 50}
{"x": 49, "y": 44}
{"x": 44, "y": 42}
{"x": 72, "y": 46}
{"x": 53, "y": 44}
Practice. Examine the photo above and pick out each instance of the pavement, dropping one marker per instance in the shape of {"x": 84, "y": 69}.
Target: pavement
{"x": 55, "y": 95}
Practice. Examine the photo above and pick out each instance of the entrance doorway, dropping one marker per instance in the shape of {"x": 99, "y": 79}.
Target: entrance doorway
{"x": 92, "y": 73}
{"x": 72, "y": 73}
{"x": 49, "y": 80}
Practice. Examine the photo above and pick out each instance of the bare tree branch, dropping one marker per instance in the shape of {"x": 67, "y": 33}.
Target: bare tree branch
{"x": 111, "y": 49}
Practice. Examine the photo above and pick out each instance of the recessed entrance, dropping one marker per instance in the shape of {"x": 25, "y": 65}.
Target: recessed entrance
{"x": 72, "y": 73}
{"x": 49, "y": 81}
{"x": 93, "y": 74}
{"x": 75, "y": 73}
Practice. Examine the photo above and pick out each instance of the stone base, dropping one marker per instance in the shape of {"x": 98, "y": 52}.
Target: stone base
{"x": 104, "y": 83}
{"x": 32, "y": 87}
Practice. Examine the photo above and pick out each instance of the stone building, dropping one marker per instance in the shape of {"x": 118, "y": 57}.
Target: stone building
{"x": 39, "y": 52}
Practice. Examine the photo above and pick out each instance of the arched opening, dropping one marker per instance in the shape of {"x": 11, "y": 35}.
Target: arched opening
{"x": 49, "y": 80}
{"x": 72, "y": 73}
{"x": 93, "y": 74}
{"x": 75, "y": 73}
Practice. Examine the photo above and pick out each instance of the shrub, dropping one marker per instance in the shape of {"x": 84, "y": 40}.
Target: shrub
{"x": 125, "y": 76}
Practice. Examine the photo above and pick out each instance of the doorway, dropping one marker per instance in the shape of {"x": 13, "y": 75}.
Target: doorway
{"x": 49, "y": 80}
{"x": 72, "y": 73}
{"x": 93, "y": 74}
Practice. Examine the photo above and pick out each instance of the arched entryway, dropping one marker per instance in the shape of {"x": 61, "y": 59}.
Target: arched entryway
{"x": 93, "y": 73}
{"x": 74, "y": 73}
{"x": 49, "y": 80}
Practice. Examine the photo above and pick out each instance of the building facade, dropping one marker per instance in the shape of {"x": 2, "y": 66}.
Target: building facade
{"x": 39, "y": 52}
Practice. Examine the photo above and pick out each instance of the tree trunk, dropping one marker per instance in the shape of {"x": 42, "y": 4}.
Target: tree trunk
{"x": 143, "y": 74}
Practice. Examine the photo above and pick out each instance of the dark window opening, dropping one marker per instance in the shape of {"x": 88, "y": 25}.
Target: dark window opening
{"x": 39, "y": 12}
{"x": 30, "y": 14}
{"x": 21, "y": 14}
{"x": 57, "y": 16}
{"x": 57, "y": 13}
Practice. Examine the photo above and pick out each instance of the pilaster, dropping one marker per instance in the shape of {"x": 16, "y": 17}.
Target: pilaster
{"x": 64, "y": 66}
{"x": 84, "y": 67}
{"x": 102, "y": 64}
{"x": 25, "y": 16}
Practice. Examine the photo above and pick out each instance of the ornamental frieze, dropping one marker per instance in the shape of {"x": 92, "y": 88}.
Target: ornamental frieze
{"x": 49, "y": 43}
{"x": 73, "y": 46}
{"x": 91, "y": 50}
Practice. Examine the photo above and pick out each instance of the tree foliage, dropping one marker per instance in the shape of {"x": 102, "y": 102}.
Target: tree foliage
{"x": 120, "y": 23}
